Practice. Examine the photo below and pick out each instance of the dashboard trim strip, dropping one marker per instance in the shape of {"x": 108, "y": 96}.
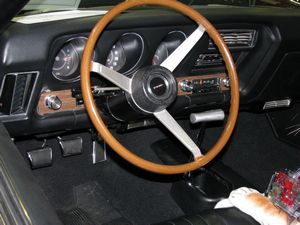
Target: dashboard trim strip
{"x": 68, "y": 102}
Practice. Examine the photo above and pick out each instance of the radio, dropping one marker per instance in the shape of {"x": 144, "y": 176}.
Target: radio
{"x": 203, "y": 84}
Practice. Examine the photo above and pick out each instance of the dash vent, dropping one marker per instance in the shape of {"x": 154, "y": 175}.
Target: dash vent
{"x": 236, "y": 39}
{"x": 16, "y": 92}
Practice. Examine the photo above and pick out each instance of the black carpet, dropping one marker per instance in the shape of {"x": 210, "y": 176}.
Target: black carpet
{"x": 137, "y": 196}
{"x": 253, "y": 151}
{"x": 144, "y": 198}
{"x": 286, "y": 124}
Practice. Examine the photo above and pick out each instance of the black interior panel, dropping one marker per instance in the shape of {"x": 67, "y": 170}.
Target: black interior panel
{"x": 22, "y": 197}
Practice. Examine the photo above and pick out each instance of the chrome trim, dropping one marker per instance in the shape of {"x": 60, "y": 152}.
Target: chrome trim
{"x": 17, "y": 195}
{"x": 182, "y": 50}
{"x": 2, "y": 220}
{"x": 171, "y": 124}
{"x": 234, "y": 36}
{"x": 277, "y": 104}
{"x": 77, "y": 77}
{"x": 96, "y": 156}
{"x": 20, "y": 116}
{"x": 116, "y": 78}
{"x": 135, "y": 67}
{"x": 207, "y": 116}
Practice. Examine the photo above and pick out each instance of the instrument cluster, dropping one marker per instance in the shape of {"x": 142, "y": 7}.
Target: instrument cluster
{"x": 125, "y": 56}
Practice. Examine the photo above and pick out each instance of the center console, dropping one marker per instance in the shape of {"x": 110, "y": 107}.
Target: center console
{"x": 202, "y": 189}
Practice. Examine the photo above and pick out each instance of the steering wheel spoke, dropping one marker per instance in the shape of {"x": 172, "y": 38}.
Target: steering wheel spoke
{"x": 181, "y": 52}
{"x": 171, "y": 124}
{"x": 116, "y": 78}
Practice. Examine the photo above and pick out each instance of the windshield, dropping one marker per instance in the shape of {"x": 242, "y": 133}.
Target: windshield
{"x": 50, "y": 5}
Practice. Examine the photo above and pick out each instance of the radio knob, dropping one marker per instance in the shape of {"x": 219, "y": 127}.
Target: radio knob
{"x": 186, "y": 86}
{"x": 53, "y": 102}
{"x": 226, "y": 82}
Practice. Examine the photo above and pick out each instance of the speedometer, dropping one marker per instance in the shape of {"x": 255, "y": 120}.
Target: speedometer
{"x": 167, "y": 46}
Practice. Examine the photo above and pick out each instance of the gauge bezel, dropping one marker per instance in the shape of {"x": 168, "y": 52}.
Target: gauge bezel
{"x": 134, "y": 67}
{"x": 75, "y": 76}
{"x": 165, "y": 37}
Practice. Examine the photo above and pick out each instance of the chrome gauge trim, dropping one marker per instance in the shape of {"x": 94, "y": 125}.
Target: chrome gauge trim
{"x": 69, "y": 60}
{"x": 177, "y": 31}
{"x": 163, "y": 40}
{"x": 134, "y": 67}
{"x": 74, "y": 76}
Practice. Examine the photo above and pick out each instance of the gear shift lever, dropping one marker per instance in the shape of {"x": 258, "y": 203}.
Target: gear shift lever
{"x": 207, "y": 116}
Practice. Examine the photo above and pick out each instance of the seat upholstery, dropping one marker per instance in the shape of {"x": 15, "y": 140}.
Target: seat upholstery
{"x": 229, "y": 216}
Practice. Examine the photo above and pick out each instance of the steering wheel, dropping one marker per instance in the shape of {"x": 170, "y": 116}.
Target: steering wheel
{"x": 152, "y": 89}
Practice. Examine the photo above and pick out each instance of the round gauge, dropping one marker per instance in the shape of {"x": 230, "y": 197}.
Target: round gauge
{"x": 116, "y": 58}
{"x": 66, "y": 63}
{"x": 167, "y": 46}
{"x": 126, "y": 54}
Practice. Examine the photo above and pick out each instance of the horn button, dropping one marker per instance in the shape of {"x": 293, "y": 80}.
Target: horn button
{"x": 158, "y": 86}
{"x": 154, "y": 88}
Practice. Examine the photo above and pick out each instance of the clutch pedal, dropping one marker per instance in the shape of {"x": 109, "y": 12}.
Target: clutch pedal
{"x": 40, "y": 157}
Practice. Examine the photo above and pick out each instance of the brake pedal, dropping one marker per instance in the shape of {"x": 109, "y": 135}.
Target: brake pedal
{"x": 70, "y": 146}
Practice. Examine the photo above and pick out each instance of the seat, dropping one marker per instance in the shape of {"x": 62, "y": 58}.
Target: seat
{"x": 228, "y": 216}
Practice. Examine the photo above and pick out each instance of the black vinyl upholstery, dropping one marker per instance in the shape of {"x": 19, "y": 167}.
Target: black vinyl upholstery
{"x": 229, "y": 216}
{"x": 33, "y": 203}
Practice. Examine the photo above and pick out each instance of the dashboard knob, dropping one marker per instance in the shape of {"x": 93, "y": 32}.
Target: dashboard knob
{"x": 226, "y": 82}
{"x": 53, "y": 102}
{"x": 186, "y": 85}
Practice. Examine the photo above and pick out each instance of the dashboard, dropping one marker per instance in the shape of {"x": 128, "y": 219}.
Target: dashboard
{"x": 40, "y": 64}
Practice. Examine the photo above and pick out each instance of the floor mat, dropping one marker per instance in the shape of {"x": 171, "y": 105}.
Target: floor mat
{"x": 91, "y": 207}
{"x": 75, "y": 216}
{"x": 143, "y": 197}
{"x": 140, "y": 197}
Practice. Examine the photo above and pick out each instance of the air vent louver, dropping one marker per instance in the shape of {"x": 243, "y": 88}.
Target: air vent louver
{"x": 19, "y": 97}
{"x": 240, "y": 39}
{"x": 16, "y": 92}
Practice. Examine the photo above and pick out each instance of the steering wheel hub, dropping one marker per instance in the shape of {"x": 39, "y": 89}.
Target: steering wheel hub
{"x": 154, "y": 88}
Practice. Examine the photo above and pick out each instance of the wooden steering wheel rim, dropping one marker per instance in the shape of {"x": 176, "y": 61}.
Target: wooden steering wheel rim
{"x": 100, "y": 125}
